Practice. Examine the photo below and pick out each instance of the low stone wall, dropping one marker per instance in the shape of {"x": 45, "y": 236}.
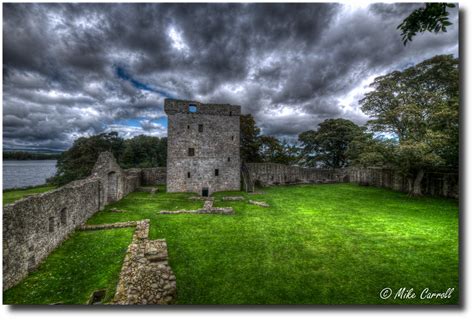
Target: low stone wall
{"x": 36, "y": 225}
{"x": 436, "y": 182}
{"x": 268, "y": 174}
{"x": 146, "y": 276}
{"x": 153, "y": 176}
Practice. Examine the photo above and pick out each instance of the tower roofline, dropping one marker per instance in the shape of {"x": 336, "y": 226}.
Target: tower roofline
{"x": 174, "y": 106}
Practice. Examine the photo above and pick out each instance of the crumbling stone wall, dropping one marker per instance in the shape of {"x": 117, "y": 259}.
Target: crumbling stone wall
{"x": 35, "y": 225}
{"x": 436, "y": 181}
{"x": 267, "y": 174}
{"x": 153, "y": 176}
{"x": 203, "y": 147}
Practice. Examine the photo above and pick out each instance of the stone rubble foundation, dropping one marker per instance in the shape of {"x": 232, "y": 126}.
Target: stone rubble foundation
{"x": 233, "y": 198}
{"x": 206, "y": 209}
{"x": 259, "y": 203}
{"x": 127, "y": 224}
{"x": 146, "y": 277}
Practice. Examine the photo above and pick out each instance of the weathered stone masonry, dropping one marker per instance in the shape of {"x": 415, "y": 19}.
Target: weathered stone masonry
{"x": 436, "y": 182}
{"x": 153, "y": 176}
{"x": 146, "y": 276}
{"x": 35, "y": 225}
{"x": 203, "y": 147}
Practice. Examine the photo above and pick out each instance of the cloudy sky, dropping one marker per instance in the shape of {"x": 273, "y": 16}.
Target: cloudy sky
{"x": 81, "y": 69}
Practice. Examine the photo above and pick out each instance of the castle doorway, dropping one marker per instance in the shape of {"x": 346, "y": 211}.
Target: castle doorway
{"x": 205, "y": 192}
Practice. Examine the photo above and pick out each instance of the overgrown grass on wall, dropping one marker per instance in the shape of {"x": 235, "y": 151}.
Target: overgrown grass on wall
{"x": 12, "y": 195}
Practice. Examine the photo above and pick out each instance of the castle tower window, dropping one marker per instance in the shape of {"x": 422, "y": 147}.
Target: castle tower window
{"x": 200, "y": 128}
{"x": 216, "y": 172}
{"x": 192, "y": 108}
{"x": 188, "y": 126}
{"x": 230, "y": 113}
{"x": 228, "y": 159}
{"x": 189, "y": 174}
{"x": 191, "y": 152}
{"x": 232, "y": 138}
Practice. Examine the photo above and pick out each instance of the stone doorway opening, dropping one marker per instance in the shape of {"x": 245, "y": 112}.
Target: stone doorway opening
{"x": 205, "y": 192}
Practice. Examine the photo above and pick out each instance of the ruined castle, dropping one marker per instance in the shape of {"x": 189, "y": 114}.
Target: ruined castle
{"x": 203, "y": 157}
{"x": 203, "y": 147}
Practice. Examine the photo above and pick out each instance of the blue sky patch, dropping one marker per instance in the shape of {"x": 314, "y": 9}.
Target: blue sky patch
{"x": 124, "y": 75}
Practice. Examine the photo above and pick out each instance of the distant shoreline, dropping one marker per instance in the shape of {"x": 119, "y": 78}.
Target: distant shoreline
{"x": 22, "y": 155}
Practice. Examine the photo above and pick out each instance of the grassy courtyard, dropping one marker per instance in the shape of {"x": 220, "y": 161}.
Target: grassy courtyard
{"x": 316, "y": 244}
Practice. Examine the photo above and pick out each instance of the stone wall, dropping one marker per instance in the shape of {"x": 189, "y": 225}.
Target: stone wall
{"x": 203, "y": 147}
{"x": 35, "y": 225}
{"x": 153, "y": 176}
{"x": 437, "y": 181}
{"x": 267, "y": 174}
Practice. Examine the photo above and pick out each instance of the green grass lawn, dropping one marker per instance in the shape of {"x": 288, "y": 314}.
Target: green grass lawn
{"x": 316, "y": 244}
{"x": 86, "y": 262}
{"x": 10, "y": 196}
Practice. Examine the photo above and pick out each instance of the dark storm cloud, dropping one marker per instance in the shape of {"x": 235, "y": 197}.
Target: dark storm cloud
{"x": 81, "y": 69}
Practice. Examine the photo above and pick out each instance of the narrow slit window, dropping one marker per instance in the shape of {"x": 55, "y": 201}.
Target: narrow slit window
{"x": 189, "y": 175}
{"x": 228, "y": 159}
{"x": 230, "y": 113}
{"x": 216, "y": 172}
{"x": 188, "y": 126}
{"x": 232, "y": 138}
{"x": 63, "y": 217}
{"x": 201, "y": 128}
{"x": 191, "y": 152}
{"x": 51, "y": 224}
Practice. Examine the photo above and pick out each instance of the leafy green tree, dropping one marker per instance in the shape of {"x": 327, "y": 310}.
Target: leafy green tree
{"x": 249, "y": 139}
{"x": 329, "y": 145}
{"x": 419, "y": 108}
{"x": 433, "y": 17}
{"x": 78, "y": 161}
{"x": 144, "y": 152}
{"x": 139, "y": 152}
{"x": 367, "y": 150}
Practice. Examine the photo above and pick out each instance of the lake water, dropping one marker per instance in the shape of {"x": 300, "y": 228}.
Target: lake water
{"x": 24, "y": 173}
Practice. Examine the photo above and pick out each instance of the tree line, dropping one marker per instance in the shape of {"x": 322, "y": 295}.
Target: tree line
{"x": 138, "y": 152}
{"x": 25, "y": 155}
{"x": 413, "y": 126}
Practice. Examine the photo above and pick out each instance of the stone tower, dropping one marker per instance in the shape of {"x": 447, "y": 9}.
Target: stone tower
{"x": 203, "y": 147}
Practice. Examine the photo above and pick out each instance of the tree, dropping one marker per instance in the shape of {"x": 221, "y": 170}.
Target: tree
{"x": 139, "y": 152}
{"x": 433, "y": 17}
{"x": 418, "y": 107}
{"x": 329, "y": 145}
{"x": 249, "y": 139}
{"x": 144, "y": 152}
{"x": 78, "y": 161}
